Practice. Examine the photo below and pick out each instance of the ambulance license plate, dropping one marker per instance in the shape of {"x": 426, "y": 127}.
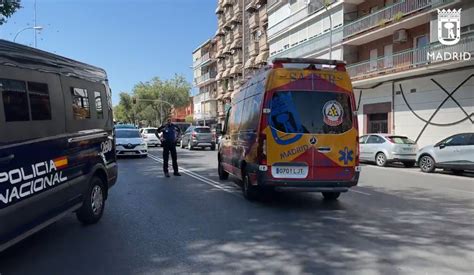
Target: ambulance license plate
{"x": 290, "y": 172}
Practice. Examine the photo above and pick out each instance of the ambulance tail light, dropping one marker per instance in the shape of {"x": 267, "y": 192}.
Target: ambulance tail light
{"x": 262, "y": 149}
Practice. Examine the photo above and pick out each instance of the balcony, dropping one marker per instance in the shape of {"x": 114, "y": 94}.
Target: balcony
{"x": 253, "y": 48}
{"x": 408, "y": 60}
{"x": 221, "y": 21}
{"x": 226, "y": 3}
{"x": 203, "y": 60}
{"x": 312, "y": 45}
{"x": 229, "y": 38}
{"x": 237, "y": 44}
{"x": 396, "y": 12}
{"x": 253, "y": 21}
{"x": 251, "y": 6}
{"x": 281, "y": 26}
{"x": 262, "y": 42}
{"x": 205, "y": 78}
{"x": 237, "y": 31}
{"x": 237, "y": 57}
{"x": 229, "y": 14}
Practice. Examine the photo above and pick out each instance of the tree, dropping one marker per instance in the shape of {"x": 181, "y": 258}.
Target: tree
{"x": 150, "y": 97}
{"x": 7, "y": 8}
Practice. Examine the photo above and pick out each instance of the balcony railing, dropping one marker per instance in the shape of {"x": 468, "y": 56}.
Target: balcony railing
{"x": 204, "y": 78}
{"x": 289, "y": 21}
{"x": 253, "y": 21}
{"x": 388, "y": 14}
{"x": 410, "y": 59}
{"x": 311, "y": 45}
{"x": 253, "y": 48}
{"x": 201, "y": 61}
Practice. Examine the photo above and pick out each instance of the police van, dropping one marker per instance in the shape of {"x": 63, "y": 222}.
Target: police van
{"x": 293, "y": 127}
{"x": 57, "y": 149}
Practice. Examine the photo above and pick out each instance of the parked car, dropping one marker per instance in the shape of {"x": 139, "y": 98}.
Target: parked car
{"x": 198, "y": 136}
{"x": 130, "y": 143}
{"x": 455, "y": 153}
{"x": 149, "y": 136}
{"x": 385, "y": 148}
{"x": 57, "y": 149}
{"x": 183, "y": 126}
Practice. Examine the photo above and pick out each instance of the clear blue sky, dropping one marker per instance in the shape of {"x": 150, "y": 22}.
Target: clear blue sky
{"x": 132, "y": 40}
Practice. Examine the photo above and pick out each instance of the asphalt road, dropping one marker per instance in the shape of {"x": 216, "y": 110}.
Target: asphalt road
{"x": 397, "y": 221}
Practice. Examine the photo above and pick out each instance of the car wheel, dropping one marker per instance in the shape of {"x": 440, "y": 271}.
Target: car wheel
{"x": 427, "y": 164}
{"x": 223, "y": 175}
{"x": 381, "y": 160}
{"x": 409, "y": 164}
{"x": 331, "y": 196}
{"x": 250, "y": 192}
{"x": 94, "y": 201}
{"x": 190, "y": 147}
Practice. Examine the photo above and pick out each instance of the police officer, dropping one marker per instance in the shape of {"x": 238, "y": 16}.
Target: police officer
{"x": 170, "y": 132}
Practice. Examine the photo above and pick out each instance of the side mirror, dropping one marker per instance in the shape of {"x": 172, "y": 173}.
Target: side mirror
{"x": 442, "y": 145}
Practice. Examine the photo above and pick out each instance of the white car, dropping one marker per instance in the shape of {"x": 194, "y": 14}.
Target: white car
{"x": 149, "y": 136}
{"x": 384, "y": 148}
{"x": 455, "y": 153}
{"x": 130, "y": 143}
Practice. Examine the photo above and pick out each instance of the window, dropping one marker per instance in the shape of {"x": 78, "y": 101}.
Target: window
{"x": 311, "y": 112}
{"x": 458, "y": 140}
{"x": 251, "y": 112}
{"x": 80, "y": 103}
{"x": 203, "y": 130}
{"x": 363, "y": 139}
{"x": 98, "y": 105}
{"x": 400, "y": 140}
{"x": 39, "y": 101}
{"x": 375, "y": 140}
{"x": 15, "y": 100}
{"x": 236, "y": 116}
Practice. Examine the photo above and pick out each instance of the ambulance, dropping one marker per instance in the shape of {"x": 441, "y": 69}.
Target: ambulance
{"x": 293, "y": 127}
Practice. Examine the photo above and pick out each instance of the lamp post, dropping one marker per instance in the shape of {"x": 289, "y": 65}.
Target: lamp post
{"x": 323, "y": 2}
{"x": 35, "y": 28}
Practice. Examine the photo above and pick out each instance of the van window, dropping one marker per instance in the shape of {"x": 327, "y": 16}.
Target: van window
{"x": 98, "y": 105}
{"x": 39, "y": 101}
{"x": 15, "y": 100}
{"x": 251, "y": 112}
{"x": 202, "y": 130}
{"x": 235, "y": 117}
{"x": 80, "y": 103}
{"x": 311, "y": 112}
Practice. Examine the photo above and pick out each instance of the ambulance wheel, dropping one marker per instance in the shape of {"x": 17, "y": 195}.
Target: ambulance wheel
{"x": 331, "y": 196}
{"x": 223, "y": 175}
{"x": 94, "y": 201}
{"x": 250, "y": 191}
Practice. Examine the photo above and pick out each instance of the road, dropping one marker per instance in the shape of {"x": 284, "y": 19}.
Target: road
{"x": 397, "y": 221}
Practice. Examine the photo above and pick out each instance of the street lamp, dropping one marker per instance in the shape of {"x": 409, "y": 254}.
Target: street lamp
{"x": 326, "y": 4}
{"x": 35, "y": 28}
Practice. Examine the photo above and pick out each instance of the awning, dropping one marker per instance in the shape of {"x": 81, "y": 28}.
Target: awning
{"x": 237, "y": 44}
{"x": 262, "y": 57}
{"x": 250, "y": 63}
{"x": 237, "y": 69}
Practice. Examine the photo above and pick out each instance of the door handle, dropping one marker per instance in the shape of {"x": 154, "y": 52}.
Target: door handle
{"x": 324, "y": 149}
{"x": 7, "y": 159}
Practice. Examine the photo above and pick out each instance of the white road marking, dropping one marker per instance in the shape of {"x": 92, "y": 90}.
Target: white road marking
{"x": 360, "y": 192}
{"x": 201, "y": 178}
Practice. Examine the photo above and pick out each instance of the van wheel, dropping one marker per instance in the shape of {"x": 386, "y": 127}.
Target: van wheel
{"x": 93, "y": 204}
{"x": 427, "y": 164}
{"x": 223, "y": 175}
{"x": 331, "y": 196}
{"x": 381, "y": 160}
{"x": 250, "y": 192}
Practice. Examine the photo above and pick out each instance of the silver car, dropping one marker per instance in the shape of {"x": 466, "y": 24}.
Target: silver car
{"x": 455, "y": 153}
{"x": 384, "y": 148}
{"x": 198, "y": 136}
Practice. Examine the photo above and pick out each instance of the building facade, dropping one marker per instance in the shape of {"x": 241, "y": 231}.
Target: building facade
{"x": 406, "y": 81}
{"x": 204, "y": 80}
{"x": 242, "y": 47}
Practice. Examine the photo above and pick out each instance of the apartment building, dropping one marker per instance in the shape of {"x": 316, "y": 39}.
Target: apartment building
{"x": 204, "y": 80}
{"x": 406, "y": 81}
{"x": 241, "y": 46}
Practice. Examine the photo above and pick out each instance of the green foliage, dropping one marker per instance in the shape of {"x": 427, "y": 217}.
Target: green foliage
{"x": 154, "y": 100}
{"x": 189, "y": 119}
{"x": 398, "y": 16}
{"x": 7, "y": 8}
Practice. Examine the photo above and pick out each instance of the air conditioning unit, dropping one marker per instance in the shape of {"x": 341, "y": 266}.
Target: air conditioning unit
{"x": 400, "y": 36}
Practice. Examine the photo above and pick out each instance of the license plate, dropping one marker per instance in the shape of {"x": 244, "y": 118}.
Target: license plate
{"x": 129, "y": 153}
{"x": 290, "y": 172}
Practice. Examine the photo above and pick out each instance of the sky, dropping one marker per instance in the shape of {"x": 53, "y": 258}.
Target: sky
{"x": 133, "y": 40}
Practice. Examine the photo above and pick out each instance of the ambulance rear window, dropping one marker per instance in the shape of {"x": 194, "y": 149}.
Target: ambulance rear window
{"x": 311, "y": 112}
